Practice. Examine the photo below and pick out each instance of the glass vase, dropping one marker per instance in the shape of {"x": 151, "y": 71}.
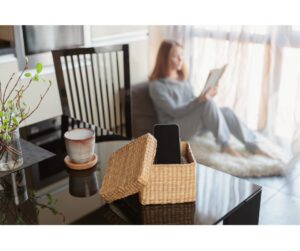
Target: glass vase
{"x": 11, "y": 157}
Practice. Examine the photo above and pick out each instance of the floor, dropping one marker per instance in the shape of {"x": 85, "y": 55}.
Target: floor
{"x": 280, "y": 203}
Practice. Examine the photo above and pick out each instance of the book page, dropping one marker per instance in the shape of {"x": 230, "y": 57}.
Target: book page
{"x": 213, "y": 78}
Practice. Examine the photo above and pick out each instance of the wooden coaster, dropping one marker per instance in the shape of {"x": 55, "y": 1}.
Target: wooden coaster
{"x": 81, "y": 166}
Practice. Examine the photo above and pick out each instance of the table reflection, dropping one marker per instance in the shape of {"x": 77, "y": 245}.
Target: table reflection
{"x": 14, "y": 187}
{"x": 20, "y": 205}
{"x": 83, "y": 183}
{"x": 174, "y": 214}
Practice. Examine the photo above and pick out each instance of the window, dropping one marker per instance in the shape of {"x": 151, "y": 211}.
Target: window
{"x": 251, "y": 64}
{"x": 211, "y": 53}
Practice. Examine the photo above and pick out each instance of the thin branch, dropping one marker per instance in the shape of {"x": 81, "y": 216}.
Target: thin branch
{"x": 51, "y": 208}
{"x": 9, "y": 120}
{"x": 2, "y": 152}
{"x": 21, "y": 90}
{"x": 10, "y": 149}
{"x": 18, "y": 98}
{"x": 26, "y": 87}
{"x": 1, "y": 92}
{"x": 2, "y": 105}
{"x": 37, "y": 106}
{"x": 8, "y": 85}
{"x": 14, "y": 87}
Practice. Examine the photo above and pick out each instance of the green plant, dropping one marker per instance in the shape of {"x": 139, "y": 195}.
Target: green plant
{"x": 13, "y": 110}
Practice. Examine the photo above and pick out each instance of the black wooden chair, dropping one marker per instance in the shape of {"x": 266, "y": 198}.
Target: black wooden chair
{"x": 94, "y": 87}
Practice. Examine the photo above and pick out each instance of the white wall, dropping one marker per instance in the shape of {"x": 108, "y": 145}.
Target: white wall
{"x": 8, "y": 65}
{"x": 138, "y": 61}
{"x": 51, "y": 106}
{"x": 138, "y": 46}
{"x": 106, "y": 30}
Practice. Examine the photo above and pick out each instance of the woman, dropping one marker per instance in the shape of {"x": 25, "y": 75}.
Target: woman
{"x": 175, "y": 103}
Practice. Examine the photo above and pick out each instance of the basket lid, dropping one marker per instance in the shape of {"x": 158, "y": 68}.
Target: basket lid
{"x": 128, "y": 168}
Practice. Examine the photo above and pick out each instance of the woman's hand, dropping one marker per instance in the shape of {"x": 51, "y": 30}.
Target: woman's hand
{"x": 211, "y": 92}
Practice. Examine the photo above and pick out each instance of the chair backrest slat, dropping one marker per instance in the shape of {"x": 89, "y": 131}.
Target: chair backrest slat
{"x": 127, "y": 88}
{"x": 107, "y": 92}
{"x": 76, "y": 88}
{"x": 120, "y": 95}
{"x": 83, "y": 86}
{"x": 70, "y": 87}
{"x": 113, "y": 86}
{"x": 88, "y": 90}
{"x": 101, "y": 94}
{"x": 94, "y": 86}
{"x": 95, "y": 89}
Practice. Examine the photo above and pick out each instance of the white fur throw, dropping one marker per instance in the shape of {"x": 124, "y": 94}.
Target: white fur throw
{"x": 207, "y": 152}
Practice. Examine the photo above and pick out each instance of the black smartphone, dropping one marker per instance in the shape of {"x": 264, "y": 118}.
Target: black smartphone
{"x": 168, "y": 144}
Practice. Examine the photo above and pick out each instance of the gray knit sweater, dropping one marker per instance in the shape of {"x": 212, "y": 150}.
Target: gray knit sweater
{"x": 175, "y": 102}
{"x": 172, "y": 99}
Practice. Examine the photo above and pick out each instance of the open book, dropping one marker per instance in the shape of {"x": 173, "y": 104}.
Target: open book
{"x": 213, "y": 78}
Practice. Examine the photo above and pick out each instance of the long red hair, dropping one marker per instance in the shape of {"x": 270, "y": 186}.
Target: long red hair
{"x": 162, "y": 68}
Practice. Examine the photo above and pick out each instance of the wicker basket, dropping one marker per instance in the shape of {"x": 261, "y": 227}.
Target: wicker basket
{"x": 131, "y": 170}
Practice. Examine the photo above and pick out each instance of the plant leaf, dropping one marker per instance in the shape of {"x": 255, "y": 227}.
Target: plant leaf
{"x": 15, "y": 121}
{"x": 27, "y": 74}
{"x": 39, "y": 68}
{"x": 50, "y": 198}
{"x": 36, "y": 77}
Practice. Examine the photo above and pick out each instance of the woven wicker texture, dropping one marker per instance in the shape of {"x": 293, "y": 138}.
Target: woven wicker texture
{"x": 181, "y": 213}
{"x": 128, "y": 169}
{"x": 172, "y": 183}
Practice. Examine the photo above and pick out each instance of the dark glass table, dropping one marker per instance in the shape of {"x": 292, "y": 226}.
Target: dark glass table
{"x": 48, "y": 192}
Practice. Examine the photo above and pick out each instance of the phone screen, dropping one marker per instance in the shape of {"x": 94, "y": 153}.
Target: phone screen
{"x": 168, "y": 144}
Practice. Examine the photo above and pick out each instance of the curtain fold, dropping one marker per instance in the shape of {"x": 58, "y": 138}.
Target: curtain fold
{"x": 262, "y": 79}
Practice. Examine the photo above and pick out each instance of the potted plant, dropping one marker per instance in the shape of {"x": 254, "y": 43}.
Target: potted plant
{"x": 13, "y": 111}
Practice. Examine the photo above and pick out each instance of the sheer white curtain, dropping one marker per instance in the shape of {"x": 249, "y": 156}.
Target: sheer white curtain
{"x": 262, "y": 80}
